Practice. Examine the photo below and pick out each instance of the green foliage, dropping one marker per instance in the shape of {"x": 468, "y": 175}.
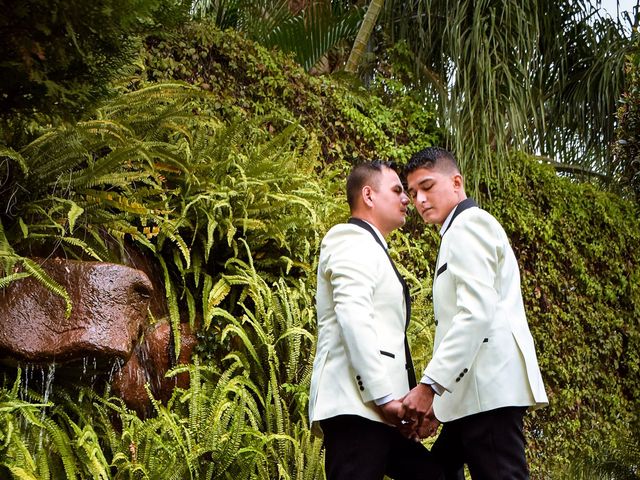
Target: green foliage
{"x": 535, "y": 76}
{"x": 243, "y": 417}
{"x": 627, "y": 148}
{"x": 248, "y": 81}
{"x": 58, "y": 57}
{"x": 310, "y": 31}
{"x": 608, "y": 462}
{"x": 184, "y": 188}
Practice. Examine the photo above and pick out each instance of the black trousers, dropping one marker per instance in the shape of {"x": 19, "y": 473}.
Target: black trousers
{"x": 357, "y": 448}
{"x": 490, "y": 443}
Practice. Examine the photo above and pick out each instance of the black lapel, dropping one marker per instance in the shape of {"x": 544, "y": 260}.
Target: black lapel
{"x": 366, "y": 226}
{"x": 407, "y": 298}
{"x": 461, "y": 207}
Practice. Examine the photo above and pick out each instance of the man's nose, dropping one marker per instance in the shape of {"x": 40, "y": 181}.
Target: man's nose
{"x": 405, "y": 198}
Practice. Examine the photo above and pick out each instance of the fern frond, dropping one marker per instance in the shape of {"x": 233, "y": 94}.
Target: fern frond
{"x": 6, "y": 280}
{"x": 38, "y": 273}
{"x": 22, "y": 474}
{"x": 11, "y": 154}
{"x": 76, "y": 242}
{"x": 172, "y": 302}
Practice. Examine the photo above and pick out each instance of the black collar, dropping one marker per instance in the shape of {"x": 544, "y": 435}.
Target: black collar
{"x": 461, "y": 207}
{"x": 369, "y": 228}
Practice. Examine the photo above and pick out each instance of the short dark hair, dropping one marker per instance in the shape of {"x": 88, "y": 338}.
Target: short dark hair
{"x": 432, "y": 157}
{"x": 361, "y": 175}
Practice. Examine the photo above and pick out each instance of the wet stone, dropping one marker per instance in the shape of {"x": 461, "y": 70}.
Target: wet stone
{"x": 110, "y": 305}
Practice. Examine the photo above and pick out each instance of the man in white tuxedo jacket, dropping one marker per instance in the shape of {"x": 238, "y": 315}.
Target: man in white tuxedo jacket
{"x": 362, "y": 366}
{"x": 484, "y": 373}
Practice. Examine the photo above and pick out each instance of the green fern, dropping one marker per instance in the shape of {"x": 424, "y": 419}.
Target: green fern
{"x": 203, "y": 199}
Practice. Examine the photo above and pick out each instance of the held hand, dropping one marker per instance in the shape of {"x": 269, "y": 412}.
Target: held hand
{"x": 391, "y": 412}
{"x": 429, "y": 425}
{"x": 417, "y": 403}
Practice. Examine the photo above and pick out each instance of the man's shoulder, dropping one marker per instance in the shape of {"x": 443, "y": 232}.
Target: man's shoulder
{"x": 476, "y": 222}
{"x": 349, "y": 239}
{"x": 477, "y": 214}
{"x": 343, "y": 230}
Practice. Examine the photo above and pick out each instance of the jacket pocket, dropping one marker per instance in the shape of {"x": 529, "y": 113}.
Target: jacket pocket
{"x": 442, "y": 268}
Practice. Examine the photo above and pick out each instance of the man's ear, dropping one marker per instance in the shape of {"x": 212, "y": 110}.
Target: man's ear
{"x": 458, "y": 182}
{"x": 366, "y": 195}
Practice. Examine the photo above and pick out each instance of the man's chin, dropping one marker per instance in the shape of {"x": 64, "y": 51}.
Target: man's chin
{"x": 429, "y": 219}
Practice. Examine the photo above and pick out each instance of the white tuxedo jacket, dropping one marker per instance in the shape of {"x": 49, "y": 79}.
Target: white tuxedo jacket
{"x": 484, "y": 354}
{"x": 360, "y": 353}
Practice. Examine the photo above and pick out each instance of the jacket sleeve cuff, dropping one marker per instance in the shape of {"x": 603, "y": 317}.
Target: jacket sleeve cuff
{"x": 374, "y": 390}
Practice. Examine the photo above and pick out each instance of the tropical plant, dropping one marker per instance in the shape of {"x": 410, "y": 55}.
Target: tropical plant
{"x": 57, "y": 58}
{"x": 627, "y": 148}
{"x": 363, "y": 36}
{"x": 182, "y": 187}
{"x": 154, "y": 172}
{"x": 504, "y": 76}
{"x": 242, "y": 417}
{"x": 532, "y": 76}
{"x": 308, "y": 29}
{"x": 247, "y": 81}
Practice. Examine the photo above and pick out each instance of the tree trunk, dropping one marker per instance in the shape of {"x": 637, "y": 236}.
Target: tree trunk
{"x": 363, "y": 35}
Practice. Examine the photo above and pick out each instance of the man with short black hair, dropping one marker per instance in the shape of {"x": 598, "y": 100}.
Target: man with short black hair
{"x": 484, "y": 372}
{"x": 362, "y": 366}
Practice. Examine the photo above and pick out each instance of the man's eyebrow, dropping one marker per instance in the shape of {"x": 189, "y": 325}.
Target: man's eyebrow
{"x": 423, "y": 181}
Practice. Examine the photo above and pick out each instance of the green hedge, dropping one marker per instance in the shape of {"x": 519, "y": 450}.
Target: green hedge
{"x": 577, "y": 247}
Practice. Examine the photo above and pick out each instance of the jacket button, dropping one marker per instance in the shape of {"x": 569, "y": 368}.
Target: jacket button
{"x": 360, "y": 382}
{"x": 361, "y": 387}
{"x": 465, "y": 370}
{"x": 357, "y": 377}
{"x": 436, "y": 323}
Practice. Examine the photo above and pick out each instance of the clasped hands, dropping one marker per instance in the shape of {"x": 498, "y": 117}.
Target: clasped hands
{"x": 413, "y": 414}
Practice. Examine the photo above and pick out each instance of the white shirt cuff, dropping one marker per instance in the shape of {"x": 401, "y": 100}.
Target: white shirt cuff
{"x": 383, "y": 400}
{"x": 439, "y": 389}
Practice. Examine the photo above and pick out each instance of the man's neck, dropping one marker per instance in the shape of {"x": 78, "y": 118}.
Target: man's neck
{"x": 370, "y": 221}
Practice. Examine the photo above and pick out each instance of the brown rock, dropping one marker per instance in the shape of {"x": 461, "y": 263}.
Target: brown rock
{"x": 110, "y": 305}
{"x": 137, "y": 259}
{"x": 149, "y": 363}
